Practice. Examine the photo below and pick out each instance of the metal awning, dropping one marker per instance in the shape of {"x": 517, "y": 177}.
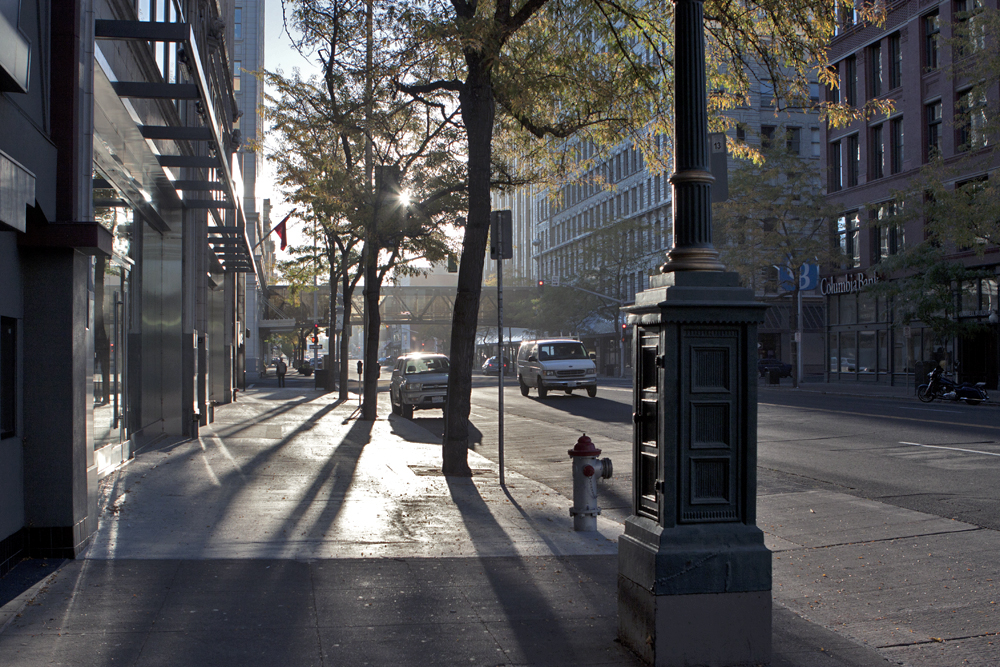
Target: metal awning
{"x": 215, "y": 191}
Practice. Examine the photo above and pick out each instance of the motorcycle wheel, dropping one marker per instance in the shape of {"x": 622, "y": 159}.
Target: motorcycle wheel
{"x": 973, "y": 401}
{"x": 923, "y": 394}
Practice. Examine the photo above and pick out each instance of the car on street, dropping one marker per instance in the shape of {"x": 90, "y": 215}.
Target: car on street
{"x": 492, "y": 366}
{"x": 419, "y": 382}
{"x": 764, "y": 367}
{"x": 555, "y": 364}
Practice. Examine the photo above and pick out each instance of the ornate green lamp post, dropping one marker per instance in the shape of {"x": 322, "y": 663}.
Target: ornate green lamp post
{"x": 694, "y": 574}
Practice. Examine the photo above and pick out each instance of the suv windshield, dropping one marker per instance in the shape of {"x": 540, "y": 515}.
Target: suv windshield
{"x": 550, "y": 351}
{"x": 418, "y": 365}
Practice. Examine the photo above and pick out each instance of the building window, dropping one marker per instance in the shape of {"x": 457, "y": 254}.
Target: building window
{"x": 815, "y": 141}
{"x": 836, "y": 167}
{"x": 833, "y": 93}
{"x": 876, "y": 166}
{"x": 889, "y": 238}
{"x": 875, "y": 69}
{"x": 766, "y": 136}
{"x": 766, "y": 93}
{"x": 847, "y": 237}
{"x": 896, "y": 145}
{"x": 853, "y": 160}
{"x": 969, "y": 34}
{"x": 895, "y": 61}
{"x": 8, "y": 377}
{"x": 793, "y": 139}
{"x": 851, "y": 80}
{"x": 932, "y": 112}
{"x": 237, "y": 70}
{"x": 970, "y": 120}
{"x": 932, "y": 39}
{"x": 238, "y": 24}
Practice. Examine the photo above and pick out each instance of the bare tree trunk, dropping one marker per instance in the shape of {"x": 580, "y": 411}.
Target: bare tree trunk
{"x": 369, "y": 409}
{"x": 478, "y": 112}
{"x": 345, "y": 339}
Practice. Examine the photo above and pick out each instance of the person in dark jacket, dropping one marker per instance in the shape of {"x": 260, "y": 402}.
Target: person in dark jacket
{"x": 281, "y": 369}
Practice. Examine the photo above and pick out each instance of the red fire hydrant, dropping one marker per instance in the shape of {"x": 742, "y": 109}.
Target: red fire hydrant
{"x": 586, "y": 469}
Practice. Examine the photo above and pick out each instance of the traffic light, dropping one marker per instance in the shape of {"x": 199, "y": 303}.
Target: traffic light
{"x": 541, "y": 286}
{"x": 624, "y": 327}
{"x": 315, "y": 333}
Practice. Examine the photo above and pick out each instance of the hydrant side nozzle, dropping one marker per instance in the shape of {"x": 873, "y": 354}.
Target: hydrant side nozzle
{"x": 606, "y": 468}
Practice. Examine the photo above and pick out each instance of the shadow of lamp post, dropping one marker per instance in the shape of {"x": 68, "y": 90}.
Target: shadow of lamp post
{"x": 694, "y": 574}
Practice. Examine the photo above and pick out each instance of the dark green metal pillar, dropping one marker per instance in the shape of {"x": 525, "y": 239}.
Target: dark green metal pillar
{"x": 694, "y": 583}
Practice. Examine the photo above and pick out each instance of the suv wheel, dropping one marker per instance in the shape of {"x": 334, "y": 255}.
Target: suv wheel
{"x": 523, "y": 387}
{"x": 395, "y": 406}
{"x": 592, "y": 391}
{"x": 406, "y": 410}
{"x": 542, "y": 391}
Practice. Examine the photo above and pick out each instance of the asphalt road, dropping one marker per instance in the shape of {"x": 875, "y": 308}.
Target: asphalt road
{"x": 942, "y": 459}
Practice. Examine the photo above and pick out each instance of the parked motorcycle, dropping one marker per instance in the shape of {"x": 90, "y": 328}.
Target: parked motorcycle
{"x": 940, "y": 386}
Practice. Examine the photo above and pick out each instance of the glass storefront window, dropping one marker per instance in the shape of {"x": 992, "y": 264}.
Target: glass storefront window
{"x": 883, "y": 309}
{"x": 900, "y": 362}
{"x": 848, "y": 309}
{"x": 970, "y": 296}
{"x": 848, "y": 353}
{"x": 866, "y": 308}
{"x": 834, "y": 356}
{"x": 883, "y": 352}
{"x": 928, "y": 347}
{"x": 833, "y": 309}
{"x": 990, "y": 295}
{"x": 867, "y": 358}
{"x": 915, "y": 347}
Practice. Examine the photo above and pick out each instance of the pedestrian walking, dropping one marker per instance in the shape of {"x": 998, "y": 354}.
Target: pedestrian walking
{"x": 281, "y": 369}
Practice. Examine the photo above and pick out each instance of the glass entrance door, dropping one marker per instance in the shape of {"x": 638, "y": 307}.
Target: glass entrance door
{"x": 110, "y": 395}
{"x": 112, "y": 288}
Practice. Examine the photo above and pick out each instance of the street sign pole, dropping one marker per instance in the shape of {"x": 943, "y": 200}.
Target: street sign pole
{"x": 501, "y": 233}
{"x": 500, "y": 355}
{"x": 798, "y": 344}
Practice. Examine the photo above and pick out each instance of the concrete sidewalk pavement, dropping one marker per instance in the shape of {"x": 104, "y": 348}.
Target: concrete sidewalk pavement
{"x": 290, "y": 533}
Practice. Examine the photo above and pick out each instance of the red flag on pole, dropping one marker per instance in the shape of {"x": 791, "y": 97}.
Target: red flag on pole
{"x": 282, "y": 233}
{"x": 282, "y": 230}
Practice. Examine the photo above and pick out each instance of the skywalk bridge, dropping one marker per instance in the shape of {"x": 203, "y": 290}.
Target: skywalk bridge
{"x": 398, "y": 305}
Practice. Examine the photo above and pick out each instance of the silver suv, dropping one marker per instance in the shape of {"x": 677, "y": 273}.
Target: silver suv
{"x": 419, "y": 382}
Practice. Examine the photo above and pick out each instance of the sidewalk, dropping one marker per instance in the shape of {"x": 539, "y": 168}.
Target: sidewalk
{"x": 291, "y": 534}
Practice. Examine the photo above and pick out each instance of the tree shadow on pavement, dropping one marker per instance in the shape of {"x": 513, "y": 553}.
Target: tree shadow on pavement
{"x": 205, "y": 610}
{"x": 543, "y": 616}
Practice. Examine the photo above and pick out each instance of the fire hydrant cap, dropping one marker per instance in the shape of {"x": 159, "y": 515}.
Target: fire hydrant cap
{"x": 584, "y": 447}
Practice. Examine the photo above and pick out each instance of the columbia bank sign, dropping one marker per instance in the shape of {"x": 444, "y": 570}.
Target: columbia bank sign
{"x": 850, "y": 284}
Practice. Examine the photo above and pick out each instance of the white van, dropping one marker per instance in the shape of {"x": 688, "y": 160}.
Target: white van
{"x": 555, "y": 363}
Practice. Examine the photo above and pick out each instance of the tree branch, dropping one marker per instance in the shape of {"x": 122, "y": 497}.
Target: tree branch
{"x": 454, "y": 85}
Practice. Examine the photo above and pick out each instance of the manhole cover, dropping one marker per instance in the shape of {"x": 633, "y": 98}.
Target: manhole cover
{"x": 432, "y": 471}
